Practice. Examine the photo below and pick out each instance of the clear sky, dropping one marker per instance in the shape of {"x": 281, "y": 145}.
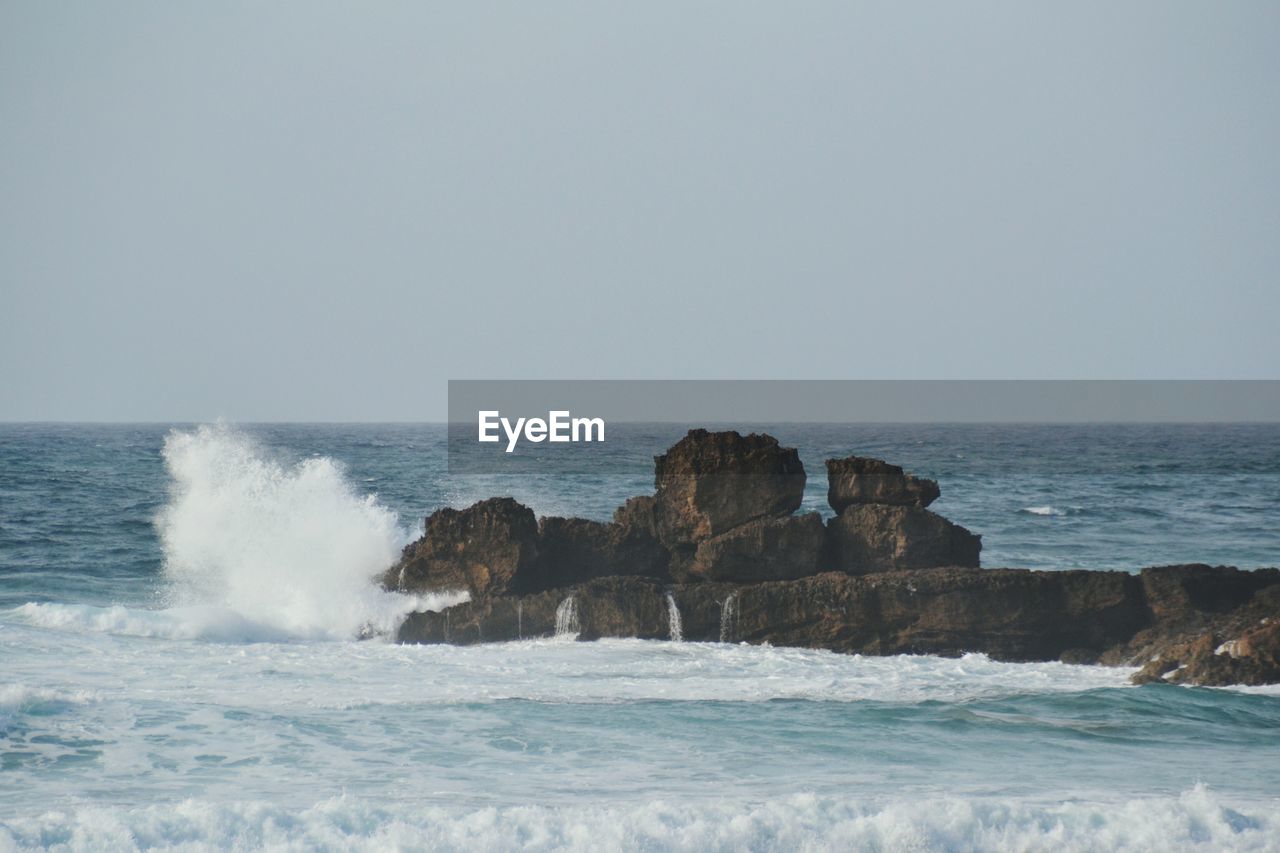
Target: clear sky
{"x": 318, "y": 211}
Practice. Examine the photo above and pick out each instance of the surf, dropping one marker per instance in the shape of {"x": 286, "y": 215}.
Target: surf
{"x": 256, "y": 547}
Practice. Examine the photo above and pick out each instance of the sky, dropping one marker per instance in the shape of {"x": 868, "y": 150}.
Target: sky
{"x": 324, "y": 211}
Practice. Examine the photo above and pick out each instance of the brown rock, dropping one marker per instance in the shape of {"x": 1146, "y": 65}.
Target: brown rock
{"x": 1253, "y": 657}
{"x": 637, "y": 514}
{"x": 489, "y": 548}
{"x": 1211, "y": 625}
{"x": 763, "y": 549}
{"x": 574, "y": 550}
{"x": 1010, "y": 614}
{"x": 604, "y": 607}
{"x": 862, "y": 480}
{"x": 876, "y": 538}
{"x": 709, "y": 482}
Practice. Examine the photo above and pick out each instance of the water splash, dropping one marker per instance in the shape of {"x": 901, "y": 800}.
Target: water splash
{"x": 567, "y": 624}
{"x": 673, "y": 619}
{"x": 291, "y": 547}
{"x": 729, "y": 618}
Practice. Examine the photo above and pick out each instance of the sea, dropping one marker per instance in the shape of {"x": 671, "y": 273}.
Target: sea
{"x": 181, "y": 668}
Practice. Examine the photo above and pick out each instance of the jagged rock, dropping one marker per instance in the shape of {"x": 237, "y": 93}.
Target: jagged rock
{"x": 1211, "y": 625}
{"x": 637, "y": 514}
{"x": 604, "y": 607}
{"x": 489, "y": 548}
{"x": 862, "y": 480}
{"x": 1253, "y": 657}
{"x": 1188, "y": 592}
{"x": 709, "y": 482}
{"x": 573, "y": 550}
{"x": 763, "y": 549}
{"x": 906, "y": 580}
{"x": 1010, "y": 614}
{"x": 878, "y": 537}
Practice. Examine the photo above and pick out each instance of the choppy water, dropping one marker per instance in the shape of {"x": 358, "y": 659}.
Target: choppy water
{"x": 177, "y": 668}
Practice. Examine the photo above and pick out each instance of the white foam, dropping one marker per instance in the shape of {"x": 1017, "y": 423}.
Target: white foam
{"x": 212, "y": 622}
{"x": 18, "y": 697}
{"x": 1195, "y": 820}
{"x": 1044, "y": 510}
{"x": 252, "y": 544}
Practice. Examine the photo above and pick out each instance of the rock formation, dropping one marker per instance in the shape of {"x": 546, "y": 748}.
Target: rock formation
{"x": 882, "y": 537}
{"x": 862, "y": 480}
{"x": 710, "y": 482}
{"x": 489, "y": 548}
{"x": 884, "y": 576}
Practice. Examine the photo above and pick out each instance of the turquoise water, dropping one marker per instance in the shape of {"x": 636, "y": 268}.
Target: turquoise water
{"x": 178, "y": 668}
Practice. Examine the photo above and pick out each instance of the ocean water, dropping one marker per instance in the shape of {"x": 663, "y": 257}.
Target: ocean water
{"x": 179, "y": 668}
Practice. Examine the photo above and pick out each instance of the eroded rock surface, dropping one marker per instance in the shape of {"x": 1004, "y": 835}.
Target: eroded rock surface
{"x": 709, "y": 482}
{"x": 886, "y": 576}
{"x": 764, "y": 549}
{"x": 862, "y": 480}
{"x": 867, "y": 538}
{"x": 489, "y": 548}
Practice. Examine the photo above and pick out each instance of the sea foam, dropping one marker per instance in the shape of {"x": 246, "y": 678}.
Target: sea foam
{"x": 256, "y": 547}
{"x": 1195, "y": 820}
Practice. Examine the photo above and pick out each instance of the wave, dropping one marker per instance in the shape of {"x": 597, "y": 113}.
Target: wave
{"x": 20, "y": 700}
{"x": 1198, "y": 819}
{"x": 1046, "y": 510}
{"x": 211, "y": 622}
{"x": 254, "y": 546}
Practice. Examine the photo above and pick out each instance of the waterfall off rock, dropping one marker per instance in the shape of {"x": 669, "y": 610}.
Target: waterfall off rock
{"x": 520, "y": 620}
{"x": 673, "y": 619}
{"x": 567, "y": 624}
{"x": 728, "y": 619}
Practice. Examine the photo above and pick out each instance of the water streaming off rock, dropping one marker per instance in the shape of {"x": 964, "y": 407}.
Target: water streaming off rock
{"x": 673, "y": 619}
{"x": 567, "y": 624}
{"x": 729, "y": 618}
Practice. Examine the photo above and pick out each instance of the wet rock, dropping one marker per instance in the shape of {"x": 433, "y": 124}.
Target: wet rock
{"x": 710, "y": 482}
{"x": 1252, "y": 657}
{"x": 1210, "y": 625}
{"x": 637, "y": 515}
{"x": 489, "y": 548}
{"x": 868, "y": 538}
{"x": 763, "y": 549}
{"x": 1010, "y": 614}
{"x": 862, "y": 480}
{"x": 574, "y": 550}
{"x": 604, "y": 607}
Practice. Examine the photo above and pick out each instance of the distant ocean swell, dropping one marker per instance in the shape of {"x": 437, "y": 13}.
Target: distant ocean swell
{"x": 1195, "y": 820}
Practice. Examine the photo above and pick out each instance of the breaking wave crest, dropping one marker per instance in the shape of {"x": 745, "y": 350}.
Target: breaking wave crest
{"x": 1195, "y": 820}
{"x": 256, "y": 549}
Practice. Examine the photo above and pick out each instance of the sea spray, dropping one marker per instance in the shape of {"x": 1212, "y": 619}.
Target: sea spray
{"x": 294, "y": 547}
{"x": 728, "y": 618}
{"x": 673, "y": 619}
{"x": 567, "y": 624}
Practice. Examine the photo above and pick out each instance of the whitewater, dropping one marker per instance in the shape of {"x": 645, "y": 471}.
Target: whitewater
{"x": 181, "y": 667}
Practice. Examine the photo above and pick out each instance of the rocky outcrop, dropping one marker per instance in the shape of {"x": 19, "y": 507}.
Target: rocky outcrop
{"x": 763, "y": 549}
{"x": 885, "y": 576}
{"x": 868, "y": 538}
{"x": 709, "y": 482}
{"x": 489, "y": 548}
{"x": 573, "y": 550}
{"x": 604, "y": 607}
{"x": 862, "y": 480}
{"x": 1011, "y": 614}
{"x": 1212, "y": 625}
